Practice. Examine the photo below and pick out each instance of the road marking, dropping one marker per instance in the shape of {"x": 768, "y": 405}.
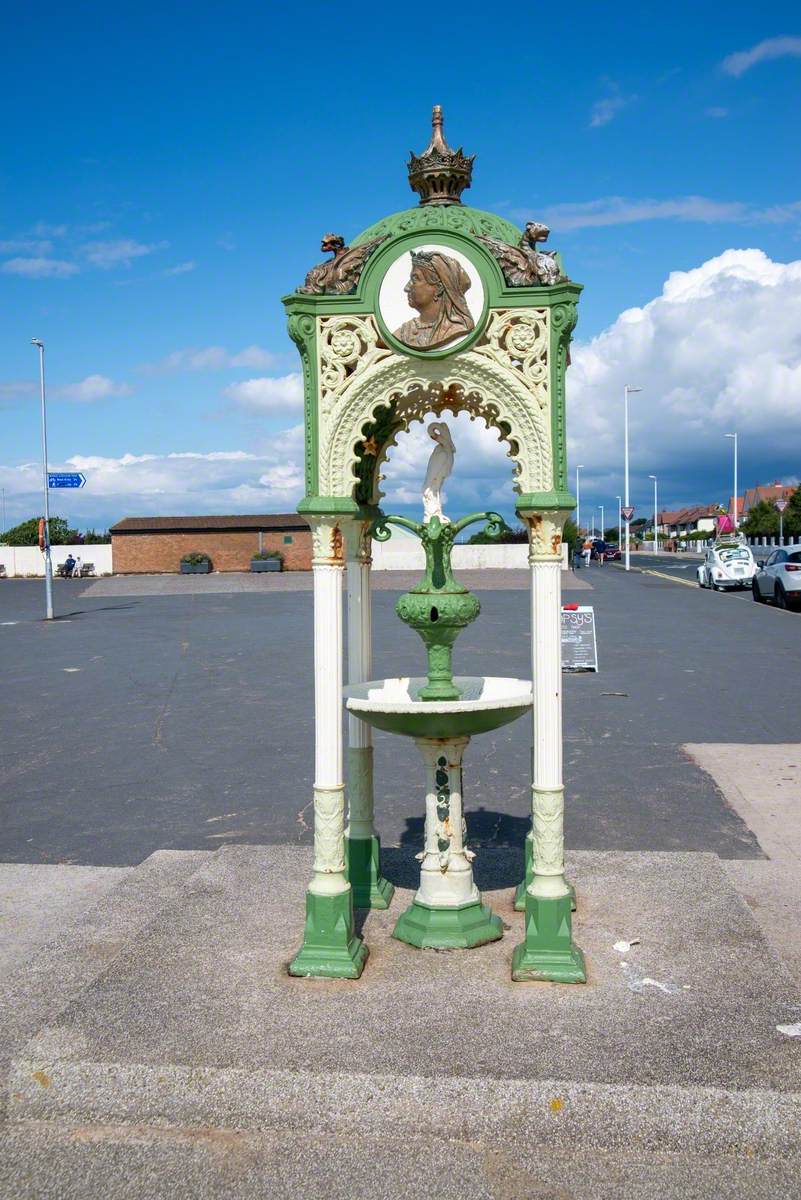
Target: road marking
{"x": 664, "y": 575}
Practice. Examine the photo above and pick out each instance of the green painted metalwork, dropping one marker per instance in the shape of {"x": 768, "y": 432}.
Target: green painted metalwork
{"x": 455, "y": 218}
{"x": 363, "y": 872}
{"x": 439, "y": 607}
{"x": 548, "y": 952}
{"x": 448, "y": 928}
{"x": 330, "y": 947}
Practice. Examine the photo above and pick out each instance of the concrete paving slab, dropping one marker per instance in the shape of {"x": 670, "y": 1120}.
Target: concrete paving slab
{"x": 197, "y": 1022}
{"x": 38, "y": 1161}
{"x": 762, "y": 783}
{"x": 38, "y": 902}
{"x": 40, "y": 983}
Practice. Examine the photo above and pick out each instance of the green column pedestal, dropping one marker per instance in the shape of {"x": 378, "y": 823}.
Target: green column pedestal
{"x": 528, "y": 875}
{"x": 363, "y": 872}
{"x": 330, "y": 947}
{"x": 448, "y": 928}
{"x": 548, "y": 952}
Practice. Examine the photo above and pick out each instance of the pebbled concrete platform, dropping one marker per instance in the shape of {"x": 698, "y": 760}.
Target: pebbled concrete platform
{"x": 38, "y": 986}
{"x": 197, "y": 1024}
{"x": 130, "y": 1163}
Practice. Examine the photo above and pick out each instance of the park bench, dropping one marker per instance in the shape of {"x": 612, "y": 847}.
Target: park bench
{"x": 87, "y": 568}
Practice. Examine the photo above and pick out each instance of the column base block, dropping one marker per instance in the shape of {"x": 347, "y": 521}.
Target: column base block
{"x": 528, "y": 875}
{"x": 363, "y": 872}
{"x": 448, "y": 928}
{"x": 548, "y": 952}
{"x": 331, "y": 949}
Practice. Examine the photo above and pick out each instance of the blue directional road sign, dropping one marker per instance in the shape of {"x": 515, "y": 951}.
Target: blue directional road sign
{"x": 66, "y": 479}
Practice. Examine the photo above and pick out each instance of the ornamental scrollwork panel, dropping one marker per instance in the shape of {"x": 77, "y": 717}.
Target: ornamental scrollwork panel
{"x": 547, "y": 832}
{"x": 475, "y": 382}
{"x": 518, "y": 338}
{"x": 329, "y": 830}
{"x": 347, "y": 348}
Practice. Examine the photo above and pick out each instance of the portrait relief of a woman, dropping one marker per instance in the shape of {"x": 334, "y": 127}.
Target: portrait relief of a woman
{"x": 436, "y": 288}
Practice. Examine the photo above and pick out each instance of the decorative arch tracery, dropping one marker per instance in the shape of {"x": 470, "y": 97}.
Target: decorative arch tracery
{"x": 512, "y": 396}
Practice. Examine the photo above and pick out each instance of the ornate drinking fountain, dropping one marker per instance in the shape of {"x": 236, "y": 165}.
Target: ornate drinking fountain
{"x": 439, "y": 308}
{"x": 441, "y": 714}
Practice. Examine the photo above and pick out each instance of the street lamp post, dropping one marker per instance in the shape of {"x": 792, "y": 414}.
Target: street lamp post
{"x": 580, "y": 467}
{"x": 735, "y": 505}
{"x": 48, "y": 561}
{"x": 619, "y": 522}
{"x": 626, "y": 391}
{"x": 602, "y": 519}
{"x": 656, "y": 517}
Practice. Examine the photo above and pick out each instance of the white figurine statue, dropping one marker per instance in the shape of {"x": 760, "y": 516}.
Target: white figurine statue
{"x": 440, "y": 466}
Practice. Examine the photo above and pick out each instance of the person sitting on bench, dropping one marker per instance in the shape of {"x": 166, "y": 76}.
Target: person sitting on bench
{"x": 67, "y": 569}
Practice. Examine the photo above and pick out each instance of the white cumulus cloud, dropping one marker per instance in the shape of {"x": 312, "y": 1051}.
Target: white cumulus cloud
{"x": 719, "y": 350}
{"x": 120, "y": 252}
{"x": 267, "y": 395}
{"x": 210, "y": 358}
{"x": 770, "y": 48}
{"x": 39, "y": 268}
{"x": 94, "y": 387}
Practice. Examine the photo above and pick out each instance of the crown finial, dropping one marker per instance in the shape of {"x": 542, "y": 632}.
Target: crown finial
{"x": 439, "y": 175}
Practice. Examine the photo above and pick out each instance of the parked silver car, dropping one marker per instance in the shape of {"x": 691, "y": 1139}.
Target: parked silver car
{"x": 779, "y": 578}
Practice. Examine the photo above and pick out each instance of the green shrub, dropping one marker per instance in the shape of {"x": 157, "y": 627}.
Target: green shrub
{"x": 262, "y": 555}
{"x": 196, "y": 558}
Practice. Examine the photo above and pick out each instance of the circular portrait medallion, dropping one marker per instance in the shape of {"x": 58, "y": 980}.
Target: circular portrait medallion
{"x": 431, "y": 298}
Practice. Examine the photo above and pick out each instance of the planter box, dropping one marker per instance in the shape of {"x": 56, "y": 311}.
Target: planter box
{"x": 265, "y": 564}
{"x": 195, "y": 568}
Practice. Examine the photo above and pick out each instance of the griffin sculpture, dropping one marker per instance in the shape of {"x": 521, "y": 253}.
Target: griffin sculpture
{"x": 340, "y": 274}
{"x": 525, "y": 265}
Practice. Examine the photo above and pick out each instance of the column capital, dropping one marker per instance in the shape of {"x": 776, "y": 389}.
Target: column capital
{"x": 358, "y": 543}
{"x": 545, "y": 533}
{"x": 328, "y": 548}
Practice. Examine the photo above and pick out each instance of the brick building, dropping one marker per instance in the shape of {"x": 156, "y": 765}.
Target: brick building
{"x": 154, "y": 545}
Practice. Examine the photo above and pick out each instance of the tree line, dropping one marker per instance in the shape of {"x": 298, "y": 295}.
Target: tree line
{"x": 61, "y": 534}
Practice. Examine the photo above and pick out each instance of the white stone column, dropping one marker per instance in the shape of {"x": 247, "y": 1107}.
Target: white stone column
{"x": 328, "y": 566}
{"x": 547, "y": 790}
{"x": 360, "y": 665}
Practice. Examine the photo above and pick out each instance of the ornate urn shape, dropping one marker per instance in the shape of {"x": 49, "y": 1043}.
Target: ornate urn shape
{"x": 439, "y": 607}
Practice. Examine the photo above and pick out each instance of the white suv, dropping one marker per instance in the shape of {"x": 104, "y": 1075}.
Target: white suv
{"x": 779, "y": 579}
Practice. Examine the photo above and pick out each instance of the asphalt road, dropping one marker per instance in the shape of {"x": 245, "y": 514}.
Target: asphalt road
{"x": 139, "y": 722}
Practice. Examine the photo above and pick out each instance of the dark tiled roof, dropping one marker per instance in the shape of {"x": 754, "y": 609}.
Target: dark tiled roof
{"x": 242, "y": 521}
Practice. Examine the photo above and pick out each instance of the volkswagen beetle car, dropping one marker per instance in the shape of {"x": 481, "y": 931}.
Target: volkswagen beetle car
{"x": 728, "y": 563}
{"x": 779, "y": 579}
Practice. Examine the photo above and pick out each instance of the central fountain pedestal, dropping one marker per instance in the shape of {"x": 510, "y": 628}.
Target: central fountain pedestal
{"x": 447, "y": 912}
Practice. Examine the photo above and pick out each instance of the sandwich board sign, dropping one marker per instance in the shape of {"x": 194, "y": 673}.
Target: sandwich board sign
{"x": 579, "y": 648}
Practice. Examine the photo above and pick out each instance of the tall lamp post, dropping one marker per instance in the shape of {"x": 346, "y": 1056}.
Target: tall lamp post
{"x": 619, "y": 522}
{"x": 734, "y": 504}
{"x": 602, "y": 521}
{"x": 580, "y": 467}
{"x": 628, "y": 388}
{"x": 656, "y": 517}
{"x": 48, "y": 561}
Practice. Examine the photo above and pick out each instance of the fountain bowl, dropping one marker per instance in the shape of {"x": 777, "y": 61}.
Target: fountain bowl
{"x": 487, "y": 702}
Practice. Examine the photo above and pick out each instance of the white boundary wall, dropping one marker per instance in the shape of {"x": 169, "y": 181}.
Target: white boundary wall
{"x": 22, "y": 561}
{"x": 405, "y": 553}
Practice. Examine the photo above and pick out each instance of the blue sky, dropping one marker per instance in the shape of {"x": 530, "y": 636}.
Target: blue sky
{"x": 167, "y": 171}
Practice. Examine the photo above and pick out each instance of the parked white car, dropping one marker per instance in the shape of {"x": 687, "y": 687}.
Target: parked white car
{"x": 779, "y": 578}
{"x": 727, "y": 564}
